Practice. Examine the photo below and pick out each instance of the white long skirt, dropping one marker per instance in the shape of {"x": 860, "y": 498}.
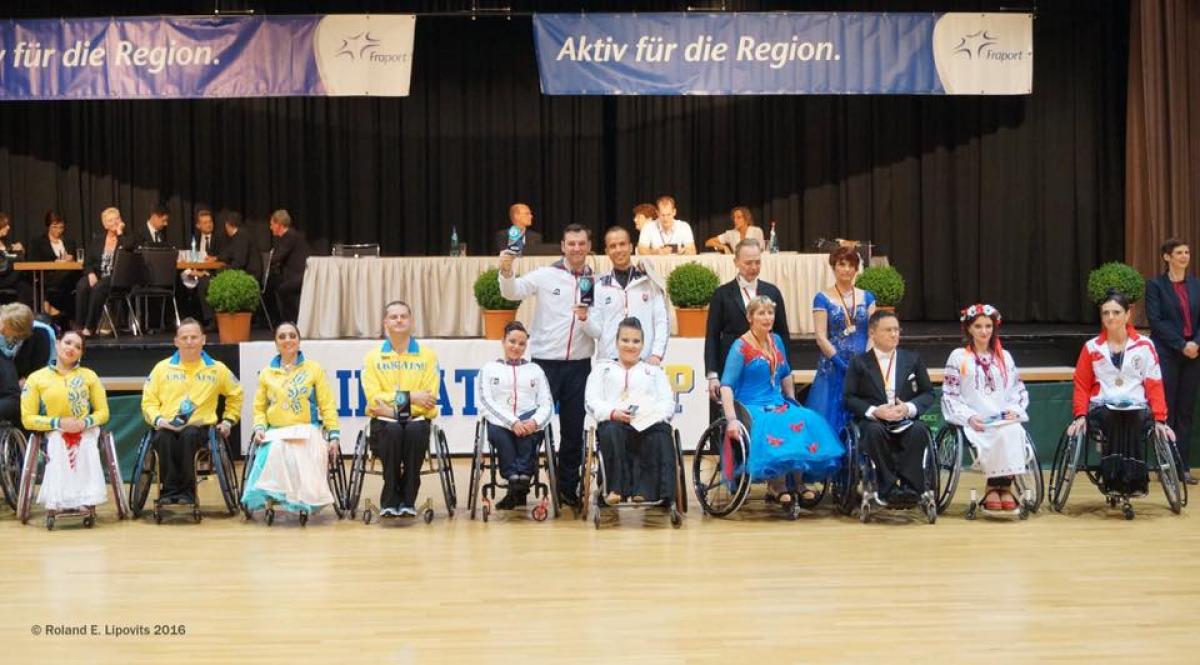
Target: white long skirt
{"x": 74, "y": 483}
{"x": 999, "y": 449}
{"x": 296, "y": 466}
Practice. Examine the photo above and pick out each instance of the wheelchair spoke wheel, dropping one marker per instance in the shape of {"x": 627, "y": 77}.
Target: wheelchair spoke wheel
{"x": 718, "y": 471}
{"x": 846, "y": 482}
{"x": 1031, "y": 480}
{"x": 12, "y": 454}
{"x": 337, "y": 486}
{"x": 1062, "y": 473}
{"x": 222, "y": 465}
{"x": 476, "y": 470}
{"x": 29, "y": 474}
{"x": 445, "y": 471}
{"x": 112, "y": 470}
{"x": 143, "y": 478}
{"x": 358, "y": 470}
{"x": 681, "y": 500}
{"x": 1168, "y": 473}
{"x": 949, "y": 464}
{"x": 551, "y": 472}
{"x": 586, "y": 503}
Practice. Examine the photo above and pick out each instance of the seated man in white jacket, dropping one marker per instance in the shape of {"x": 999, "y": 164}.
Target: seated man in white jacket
{"x": 517, "y": 405}
{"x": 632, "y": 403}
{"x": 627, "y": 291}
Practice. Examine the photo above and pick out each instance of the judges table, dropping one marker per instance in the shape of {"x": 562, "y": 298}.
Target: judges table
{"x": 344, "y": 297}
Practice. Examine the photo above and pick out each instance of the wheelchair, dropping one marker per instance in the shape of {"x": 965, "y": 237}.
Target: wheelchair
{"x": 485, "y": 458}
{"x": 718, "y": 471}
{"x": 336, "y": 477}
{"x": 855, "y": 484}
{"x": 437, "y": 461}
{"x": 954, "y": 451}
{"x": 12, "y": 459}
{"x": 212, "y": 459}
{"x": 32, "y": 457}
{"x": 595, "y": 487}
{"x": 1074, "y": 454}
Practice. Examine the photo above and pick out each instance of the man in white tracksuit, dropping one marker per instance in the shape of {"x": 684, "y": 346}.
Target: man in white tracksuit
{"x": 558, "y": 342}
{"x": 628, "y": 291}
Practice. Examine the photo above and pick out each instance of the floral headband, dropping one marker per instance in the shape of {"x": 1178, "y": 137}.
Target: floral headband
{"x": 980, "y": 309}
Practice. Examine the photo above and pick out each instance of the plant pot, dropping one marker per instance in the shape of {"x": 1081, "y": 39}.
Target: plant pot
{"x": 885, "y": 308}
{"x": 494, "y": 321}
{"x": 234, "y": 328}
{"x": 691, "y": 322}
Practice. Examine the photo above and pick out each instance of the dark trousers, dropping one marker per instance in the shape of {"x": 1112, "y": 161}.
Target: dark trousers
{"x": 287, "y": 294}
{"x": 1122, "y": 449}
{"x": 195, "y": 301}
{"x": 58, "y": 292}
{"x": 19, "y": 283}
{"x": 637, "y": 463}
{"x": 89, "y": 301}
{"x": 1181, "y": 382}
{"x": 518, "y": 455}
{"x": 568, "y": 379}
{"x": 401, "y": 447}
{"x": 177, "y": 458}
{"x": 899, "y": 458}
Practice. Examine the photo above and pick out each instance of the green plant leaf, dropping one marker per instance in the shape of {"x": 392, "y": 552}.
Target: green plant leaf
{"x": 487, "y": 291}
{"x": 233, "y": 291}
{"x": 691, "y": 285}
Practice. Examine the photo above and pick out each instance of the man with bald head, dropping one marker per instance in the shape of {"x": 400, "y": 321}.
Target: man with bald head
{"x": 521, "y": 216}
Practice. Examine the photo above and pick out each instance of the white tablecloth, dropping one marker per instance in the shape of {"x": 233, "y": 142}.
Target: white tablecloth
{"x": 344, "y": 297}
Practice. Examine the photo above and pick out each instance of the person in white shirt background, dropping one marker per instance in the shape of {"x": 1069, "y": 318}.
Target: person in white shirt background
{"x": 666, "y": 235}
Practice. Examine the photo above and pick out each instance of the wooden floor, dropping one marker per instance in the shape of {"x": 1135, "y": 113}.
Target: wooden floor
{"x": 753, "y": 589}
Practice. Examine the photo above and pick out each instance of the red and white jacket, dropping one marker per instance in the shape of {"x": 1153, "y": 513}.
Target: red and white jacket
{"x": 555, "y": 334}
{"x": 1139, "y": 379}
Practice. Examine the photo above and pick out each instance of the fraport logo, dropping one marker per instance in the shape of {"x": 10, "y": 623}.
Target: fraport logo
{"x": 978, "y": 46}
{"x": 358, "y": 46}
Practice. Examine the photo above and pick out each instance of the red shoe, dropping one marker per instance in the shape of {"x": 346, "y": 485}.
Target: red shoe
{"x": 992, "y": 500}
{"x": 1008, "y": 501}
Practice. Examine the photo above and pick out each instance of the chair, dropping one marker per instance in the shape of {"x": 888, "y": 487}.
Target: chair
{"x": 436, "y": 462}
{"x": 126, "y": 271}
{"x": 355, "y": 251}
{"x": 158, "y": 281}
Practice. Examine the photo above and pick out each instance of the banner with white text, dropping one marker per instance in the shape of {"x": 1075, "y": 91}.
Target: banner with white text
{"x": 169, "y": 57}
{"x": 785, "y": 54}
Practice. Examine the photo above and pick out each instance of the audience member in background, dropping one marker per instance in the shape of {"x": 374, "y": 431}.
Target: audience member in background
{"x": 208, "y": 245}
{"x": 743, "y": 227}
{"x": 98, "y": 261}
{"x": 18, "y": 282}
{"x": 27, "y": 341}
{"x": 643, "y": 214}
{"x": 154, "y": 232}
{"x": 238, "y": 251}
{"x": 1173, "y": 311}
{"x": 288, "y": 259}
{"x": 521, "y": 216}
{"x": 55, "y": 246}
{"x": 666, "y": 235}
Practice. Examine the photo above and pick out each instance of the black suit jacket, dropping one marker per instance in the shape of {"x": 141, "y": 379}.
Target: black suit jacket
{"x": 93, "y": 255}
{"x": 291, "y": 253}
{"x": 241, "y": 253}
{"x": 216, "y": 239}
{"x": 40, "y": 250}
{"x": 864, "y": 388}
{"x": 534, "y": 244}
{"x": 141, "y": 237}
{"x": 727, "y": 321}
{"x": 1166, "y": 316}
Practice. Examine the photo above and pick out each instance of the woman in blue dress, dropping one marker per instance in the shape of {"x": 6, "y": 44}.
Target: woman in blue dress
{"x": 840, "y": 317}
{"x": 785, "y": 438}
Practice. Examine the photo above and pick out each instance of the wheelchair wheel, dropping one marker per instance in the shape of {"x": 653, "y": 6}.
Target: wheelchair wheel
{"x": 551, "y": 470}
{"x": 681, "y": 501}
{"x": 847, "y": 492}
{"x": 248, "y": 460}
{"x": 476, "y": 470}
{"x": 12, "y": 457}
{"x": 445, "y": 470}
{"x": 222, "y": 464}
{"x": 358, "y": 471}
{"x": 145, "y": 474}
{"x": 718, "y": 470}
{"x": 337, "y": 484}
{"x": 29, "y": 478}
{"x": 112, "y": 471}
{"x": 1168, "y": 472}
{"x": 1031, "y": 480}
{"x": 586, "y": 502}
{"x": 1062, "y": 472}
{"x": 949, "y": 464}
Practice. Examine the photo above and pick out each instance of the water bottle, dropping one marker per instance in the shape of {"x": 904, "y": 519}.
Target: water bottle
{"x": 195, "y": 255}
{"x": 773, "y": 241}
{"x": 453, "y": 241}
{"x": 186, "y": 408}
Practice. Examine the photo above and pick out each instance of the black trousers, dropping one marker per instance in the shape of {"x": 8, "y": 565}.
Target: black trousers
{"x": 58, "y": 292}
{"x": 89, "y": 301}
{"x": 194, "y": 302}
{"x": 1181, "y": 382}
{"x": 638, "y": 463}
{"x": 287, "y": 294}
{"x": 568, "y": 380}
{"x": 1122, "y": 448}
{"x": 401, "y": 447}
{"x": 518, "y": 454}
{"x": 899, "y": 458}
{"x": 177, "y": 458}
{"x": 19, "y": 282}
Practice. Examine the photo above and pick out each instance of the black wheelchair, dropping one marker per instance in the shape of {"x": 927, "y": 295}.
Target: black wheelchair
{"x": 719, "y": 471}
{"x": 482, "y": 496}
{"x": 855, "y": 484}
{"x": 336, "y": 476}
{"x": 212, "y": 459}
{"x": 30, "y": 459}
{"x": 954, "y": 451}
{"x": 595, "y": 484}
{"x": 12, "y": 461}
{"x": 437, "y": 461}
{"x": 1074, "y": 454}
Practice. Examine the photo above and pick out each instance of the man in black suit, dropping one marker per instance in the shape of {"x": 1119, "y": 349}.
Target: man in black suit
{"x": 521, "y": 216}
{"x": 238, "y": 250}
{"x": 287, "y": 265}
{"x": 207, "y": 244}
{"x": 887, "y": 389}
{"x": 727, "y": 313}
{"x": 154, "y": 232}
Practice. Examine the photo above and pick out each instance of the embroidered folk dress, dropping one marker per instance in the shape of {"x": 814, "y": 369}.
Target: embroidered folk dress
{"x": 977, "y": 386}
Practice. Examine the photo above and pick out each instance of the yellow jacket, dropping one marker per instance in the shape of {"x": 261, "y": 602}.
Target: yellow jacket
{"x": 385, "y": 371}
{"x": 49, "y": 396}
{"x": 203, "y": 382}
{"x": 299, "y": 397}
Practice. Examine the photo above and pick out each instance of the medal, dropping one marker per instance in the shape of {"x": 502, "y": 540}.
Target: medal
{"x": 849, "y": 331}
{"x": 1120, "y": 381}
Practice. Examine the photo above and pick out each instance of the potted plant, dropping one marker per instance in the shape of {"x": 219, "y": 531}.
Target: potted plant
{"x": 498, "y": 311}
{"x": 1119, "y": 276}
{"x": 690, "y": 287}
{"x": 885, "y": 282}
{"x": 233, "y": 295}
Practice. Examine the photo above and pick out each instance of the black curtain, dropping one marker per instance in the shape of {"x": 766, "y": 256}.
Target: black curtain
{"x": 1005, "y": 199}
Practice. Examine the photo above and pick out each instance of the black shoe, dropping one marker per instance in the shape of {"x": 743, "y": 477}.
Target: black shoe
{"x": 568, "y": 499}
{"x": 511, "y": 501}
{"x": 1189, "y": 478}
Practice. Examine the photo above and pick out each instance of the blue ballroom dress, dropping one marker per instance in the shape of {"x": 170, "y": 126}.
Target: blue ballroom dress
{"x": 825, "y": 395}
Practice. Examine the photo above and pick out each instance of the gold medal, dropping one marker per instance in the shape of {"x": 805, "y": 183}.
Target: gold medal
{"x": 849, "y": 330}
{"x": 1120, "y": 381}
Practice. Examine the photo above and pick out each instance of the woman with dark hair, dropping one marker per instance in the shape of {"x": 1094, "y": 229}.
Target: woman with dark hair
{"x": 983, "y": 394}
{"x": 1119, "y": 389}
{"x": 55, "y": 246}
{"x": 840, "y": 316}
{"x": 12, "y": 250}
{"x": 516, "y": 403}
{"x": 743, "y": 228}
{"x": 1173, "y": 311}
